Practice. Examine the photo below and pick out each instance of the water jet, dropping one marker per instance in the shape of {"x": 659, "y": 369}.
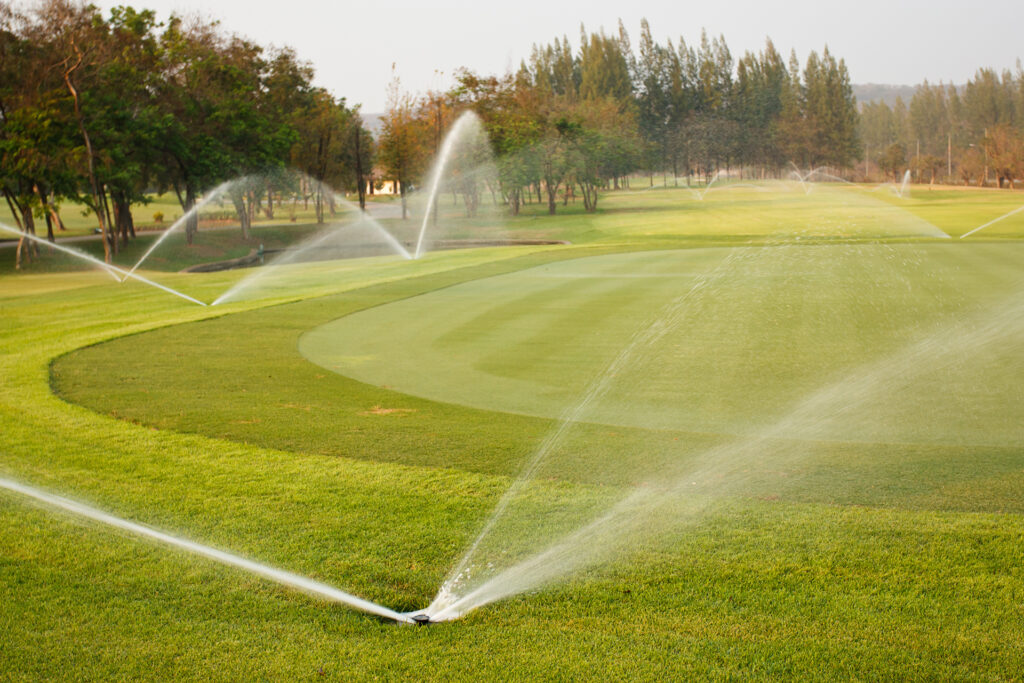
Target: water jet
{"x": 112, "y": 270}
{"x": 279, "y": 576}
{"x": 462, "y": 166}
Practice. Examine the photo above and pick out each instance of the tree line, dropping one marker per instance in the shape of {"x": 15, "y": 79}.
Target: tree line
{"x": 105, "y": 110}
{"x": 572, "y": 120}
{"x": 965, "y": 134}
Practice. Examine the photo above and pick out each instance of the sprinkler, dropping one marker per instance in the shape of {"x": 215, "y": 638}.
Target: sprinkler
{"x": 421, "y": 619}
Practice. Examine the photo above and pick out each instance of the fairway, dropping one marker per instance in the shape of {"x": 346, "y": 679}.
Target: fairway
{"x": 759, "y": 329}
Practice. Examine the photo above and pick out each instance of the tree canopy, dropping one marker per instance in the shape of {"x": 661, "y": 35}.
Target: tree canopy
{"x": 968, "y": 133}
{"x": 105, "y": 109}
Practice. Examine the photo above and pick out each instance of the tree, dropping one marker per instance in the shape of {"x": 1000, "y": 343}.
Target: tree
{"x": 894, "y": 160}
{"x": 602, "y": 146}
{"x": 360, "y": 156}
{"x": 654, "y": 97}
{"x": 554, "y": 151}
{"x": 35, "y": 133}
{"x": 830, "y": 111}
{"x": 604, "y": 68}
{"x": 759, "y": 93}
{"x": 1004, "y": 146}
{"x": 403, "y": 142}
{"x": 331, "y": 143}
{"x": 221, "y": 119}
{"x": 77, "y": 39}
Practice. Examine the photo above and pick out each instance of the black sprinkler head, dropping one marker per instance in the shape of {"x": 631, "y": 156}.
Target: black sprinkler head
{"x": 421, "y": 619}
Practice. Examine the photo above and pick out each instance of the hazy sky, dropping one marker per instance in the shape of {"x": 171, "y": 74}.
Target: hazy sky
{"x": 353, "y": 45}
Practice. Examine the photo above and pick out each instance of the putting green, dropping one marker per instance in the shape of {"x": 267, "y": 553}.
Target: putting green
{"x": 897, "y": 343}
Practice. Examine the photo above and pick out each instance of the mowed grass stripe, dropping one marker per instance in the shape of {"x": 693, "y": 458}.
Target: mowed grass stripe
{"x": 284, "y": 402}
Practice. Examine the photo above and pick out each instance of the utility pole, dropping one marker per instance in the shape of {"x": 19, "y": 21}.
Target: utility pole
{"x": 949, "y": 157}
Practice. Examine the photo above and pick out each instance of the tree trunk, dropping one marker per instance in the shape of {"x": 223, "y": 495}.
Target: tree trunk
{"x": 69, "y": 72}
{"x": 13, "y": 206}
{"x": 552, "y": 191}
{"x": 56, "y": 218}
{"x": 360, "y": 177}
{"x": 123, "y": 210}
{"x": 590, "y": 194}
{"x": 46, "y": 212}
{"x": 192, "y": 222}
{"x": 27, "y": 248}
{"x": 111, "y": 227}
{"x": 242, "y": 211}
{"x": 269, "y": 212}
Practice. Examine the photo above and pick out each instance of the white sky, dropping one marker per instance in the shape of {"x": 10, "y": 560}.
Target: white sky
{"x": 353, "y": 45}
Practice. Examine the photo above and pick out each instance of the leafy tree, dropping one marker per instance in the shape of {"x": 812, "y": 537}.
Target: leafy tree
{"x": 1004, "y": 146}
{"x": 654, "y": 97}
{"x": 403, "y": 144}
{"x": 332, "y": 148}
{"x": 894, "y": 160}
{"x": 604, "y": 69}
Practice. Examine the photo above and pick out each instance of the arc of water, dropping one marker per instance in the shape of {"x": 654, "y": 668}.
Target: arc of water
{"x": 644, "y": 337}
{"x": 247, "y": 282}
{"x": 903, "y": 185}
{"x": 375, "y": 224}
{"x": 435, "y": 177}
{"x": 169, "y": 290}
{"x": 800, "y": 177}
{"x": 113, "y": 270}
{"x": 699, "y": 194}
{"x": 833, "y": 400}
{"x": 279, "y": 576}
{"x": 992, "y": 222}
{"x": 181, "y": 221}
{"x": 313, "y": 242}
{"x": 107, "y": 268}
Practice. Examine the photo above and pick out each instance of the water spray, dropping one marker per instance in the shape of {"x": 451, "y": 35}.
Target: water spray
{"x": 447, "y": 146}
{"x": 113, "y": 270}
{"x": 992, "y": 222}
{"x": 181, "y": 221}
{"x": 279, "y": 576}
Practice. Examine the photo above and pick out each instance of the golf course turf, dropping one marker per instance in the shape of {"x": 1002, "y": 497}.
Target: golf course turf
{"x": 358, "y": 421}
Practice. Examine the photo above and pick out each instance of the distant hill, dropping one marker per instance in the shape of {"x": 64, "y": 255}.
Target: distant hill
{"x": 874, "y": 92}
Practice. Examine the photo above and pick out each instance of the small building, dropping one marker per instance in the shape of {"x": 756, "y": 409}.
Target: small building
{"x": 385, "y": 187}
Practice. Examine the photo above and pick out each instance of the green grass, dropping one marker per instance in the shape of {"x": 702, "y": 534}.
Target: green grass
{"x": 172, "y": 255}
{"x": 886, "y": 558}
{"x": 78, "y": 220}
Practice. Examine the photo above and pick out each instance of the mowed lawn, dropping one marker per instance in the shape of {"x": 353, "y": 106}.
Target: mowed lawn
{"x": 890, "y": 553}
